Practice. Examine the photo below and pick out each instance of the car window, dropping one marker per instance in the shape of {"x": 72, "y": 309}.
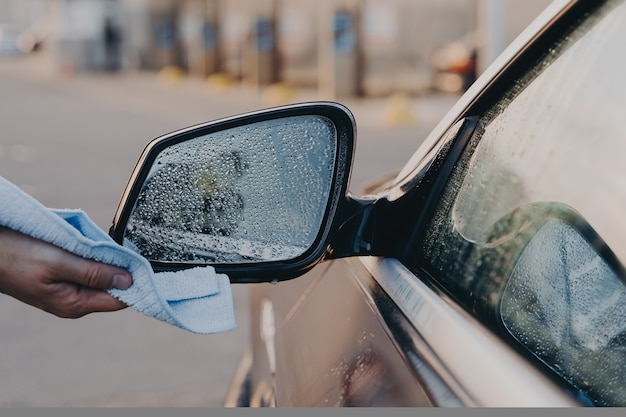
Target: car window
{"x": 530, "y": 234}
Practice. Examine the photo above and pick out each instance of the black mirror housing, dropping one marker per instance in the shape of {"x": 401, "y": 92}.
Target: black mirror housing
{"x": 258, "y": 196}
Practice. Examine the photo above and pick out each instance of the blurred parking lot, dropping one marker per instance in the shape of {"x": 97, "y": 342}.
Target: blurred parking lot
{"x": 72, "y": 143}
{"x": 73, "y": 128}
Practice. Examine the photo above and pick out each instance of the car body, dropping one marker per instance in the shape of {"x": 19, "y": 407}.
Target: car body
{"x": 489, "y": 272}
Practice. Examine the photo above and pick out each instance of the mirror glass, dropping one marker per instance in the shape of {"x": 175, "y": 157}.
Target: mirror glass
{"x": 251, "y": 193}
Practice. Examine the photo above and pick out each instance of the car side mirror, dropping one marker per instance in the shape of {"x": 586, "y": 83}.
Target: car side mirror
{"x": 256, "y": 196}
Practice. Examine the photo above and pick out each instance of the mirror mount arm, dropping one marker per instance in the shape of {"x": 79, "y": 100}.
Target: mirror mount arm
{"x": 354, "y": 235}
{"x": 364, "y": 229}
{"x": 388, "y": 223}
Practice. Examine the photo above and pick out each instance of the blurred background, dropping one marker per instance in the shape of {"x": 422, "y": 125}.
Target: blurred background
{"x": 86, "y": 84}
{"x": 341, "y": 48}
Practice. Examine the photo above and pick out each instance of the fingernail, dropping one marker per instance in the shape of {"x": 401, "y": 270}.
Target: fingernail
{"x": 121, "y": 281}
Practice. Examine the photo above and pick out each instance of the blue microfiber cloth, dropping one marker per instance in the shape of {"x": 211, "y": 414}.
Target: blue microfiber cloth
{"x": 197, "y": 299}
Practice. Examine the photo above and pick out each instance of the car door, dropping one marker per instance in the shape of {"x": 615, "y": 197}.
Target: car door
{"x": 510, "y": 291}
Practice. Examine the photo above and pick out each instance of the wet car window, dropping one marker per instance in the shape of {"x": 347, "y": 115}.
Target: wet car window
{"x": 530, "y": 234}
{"x": 568, "y": 306}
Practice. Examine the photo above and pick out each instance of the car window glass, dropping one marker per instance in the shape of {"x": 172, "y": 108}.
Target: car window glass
{"x": 544, "y": 174}
{"x": 570, "y": 310}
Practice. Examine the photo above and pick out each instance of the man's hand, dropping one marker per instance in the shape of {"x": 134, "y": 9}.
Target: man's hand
{"x": 54, "y": 280}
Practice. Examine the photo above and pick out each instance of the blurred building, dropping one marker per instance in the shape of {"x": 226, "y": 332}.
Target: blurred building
{"x": 342, "y": 47}
{"x": 84, "y": 27}
{"x": 23, "y": 12}
{"x": 23, "y": 25}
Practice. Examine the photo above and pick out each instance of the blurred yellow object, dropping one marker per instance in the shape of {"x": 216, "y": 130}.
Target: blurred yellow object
{"x": 171, "y": 75}
{"x": 220, "y": 81}
{"x": 279, "y": 93}
{"x": 448, "y": 82}
{"x": 398, "y": 110}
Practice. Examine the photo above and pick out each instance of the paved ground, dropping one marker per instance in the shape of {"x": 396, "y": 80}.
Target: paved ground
{"x": 72, "y": 142}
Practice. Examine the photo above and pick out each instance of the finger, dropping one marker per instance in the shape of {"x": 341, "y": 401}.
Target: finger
{"x": 96, "y": 301}
{"x": 61, "y": 265}
{"x": 84, "y": 301}
{"x": 92, "y": 274}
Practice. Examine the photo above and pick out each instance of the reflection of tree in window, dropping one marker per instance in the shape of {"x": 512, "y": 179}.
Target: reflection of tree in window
{"x": 223, "y": 206}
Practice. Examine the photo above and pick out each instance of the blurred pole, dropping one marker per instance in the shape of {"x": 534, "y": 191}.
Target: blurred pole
{"x": 199, "y": 26}
{"x": 164, "y": 47}
{"x": 263, "y": 49}
{"x": 340, "y": 50}
{"x": 326, "y": 79}
{"x": 491, "y": 18}
{"x": 212, "y": 37}
{"x": 276, "y": 56}
{"x": 189, "y": 21}
{"x": 55, "y": 11}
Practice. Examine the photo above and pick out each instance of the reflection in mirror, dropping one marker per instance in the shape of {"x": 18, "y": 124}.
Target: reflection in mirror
{"x": 257, "y": 192}
{"x": 566, "y": 305}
